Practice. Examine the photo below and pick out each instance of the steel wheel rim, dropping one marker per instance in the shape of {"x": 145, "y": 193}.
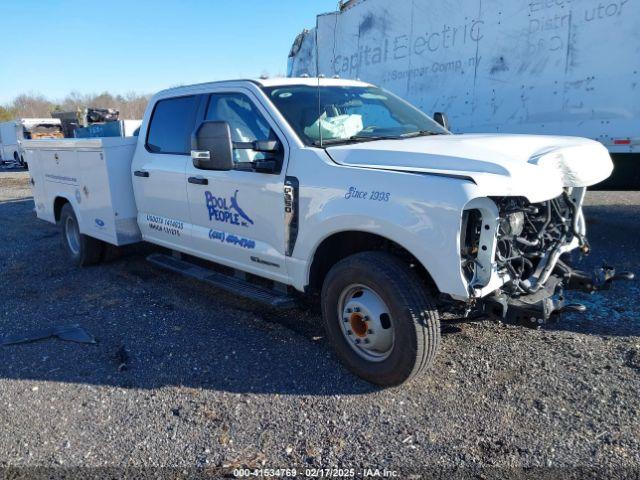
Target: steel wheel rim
{"x": 73, "y": 235}
{"x": 365, "y": 323}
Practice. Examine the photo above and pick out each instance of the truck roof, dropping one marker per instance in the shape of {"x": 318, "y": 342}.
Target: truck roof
{"x": 311, "y": 81}
{"x": 272, "y": 82}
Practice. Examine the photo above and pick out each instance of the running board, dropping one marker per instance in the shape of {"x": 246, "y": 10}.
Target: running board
{"x": 224, "y": 282}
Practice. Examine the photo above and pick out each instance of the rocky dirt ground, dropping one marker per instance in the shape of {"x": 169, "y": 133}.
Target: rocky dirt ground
{"x": 183, "y": 375}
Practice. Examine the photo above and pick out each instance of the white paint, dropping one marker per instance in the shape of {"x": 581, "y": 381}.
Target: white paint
{"x": 94, "y": 175}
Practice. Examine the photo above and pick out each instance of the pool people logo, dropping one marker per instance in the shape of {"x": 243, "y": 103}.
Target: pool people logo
{"x": 226, "y": 210}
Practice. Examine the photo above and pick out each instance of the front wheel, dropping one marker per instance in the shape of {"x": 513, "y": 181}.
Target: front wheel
{"x": 82, "y": 249}
{"x": 380, "y": 318}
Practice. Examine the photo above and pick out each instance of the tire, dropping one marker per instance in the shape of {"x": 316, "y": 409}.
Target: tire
{"x": 82, "y": 249}
{"x": 16, "y": 158}
{"x": 354, "y": 292}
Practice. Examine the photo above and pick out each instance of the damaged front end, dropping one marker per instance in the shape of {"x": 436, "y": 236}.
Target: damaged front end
{"x": 516, "y": 256}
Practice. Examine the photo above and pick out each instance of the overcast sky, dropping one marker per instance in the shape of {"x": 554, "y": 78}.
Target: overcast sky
{"x": 53, "y": 47}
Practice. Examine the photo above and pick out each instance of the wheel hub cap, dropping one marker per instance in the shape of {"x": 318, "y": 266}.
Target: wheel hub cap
{"x": 366, "y": 323}
{"x": 73, "y": 235}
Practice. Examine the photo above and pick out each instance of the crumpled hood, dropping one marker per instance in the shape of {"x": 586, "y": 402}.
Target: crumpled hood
{"x": 534, "y": 166}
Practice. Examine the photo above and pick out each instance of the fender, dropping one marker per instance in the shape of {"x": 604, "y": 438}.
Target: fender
{"x": 436, "y": 260}
{"x": 58, "y": 196}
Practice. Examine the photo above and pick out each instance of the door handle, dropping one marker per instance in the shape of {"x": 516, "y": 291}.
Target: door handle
{"x": 141, "y": 173}
{"x": 198, "y": 181}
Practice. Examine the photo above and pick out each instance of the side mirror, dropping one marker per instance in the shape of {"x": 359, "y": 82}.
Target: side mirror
{"x": 212, "y": 147}
{"x": 266, "y": 146}
{"x": 442, "y": 119}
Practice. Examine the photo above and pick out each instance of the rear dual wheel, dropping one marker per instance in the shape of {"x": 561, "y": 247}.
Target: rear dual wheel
{"x": 82, "y": 249}
{"x": 380, "y": 318}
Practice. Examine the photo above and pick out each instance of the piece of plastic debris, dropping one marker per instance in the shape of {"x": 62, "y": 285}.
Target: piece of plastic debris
{"x": 122, "y": 359}
{"x": 69, "y": 333}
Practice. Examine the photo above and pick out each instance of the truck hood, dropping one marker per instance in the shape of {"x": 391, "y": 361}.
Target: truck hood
{"x": 537, "y": 167}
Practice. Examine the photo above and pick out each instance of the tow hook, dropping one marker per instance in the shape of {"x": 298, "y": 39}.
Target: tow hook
{"x": 573, "y": 307}
{"x": 601, "y": 279}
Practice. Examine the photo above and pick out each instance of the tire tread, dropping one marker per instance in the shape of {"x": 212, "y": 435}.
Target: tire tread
{"x": 414, "y": 297}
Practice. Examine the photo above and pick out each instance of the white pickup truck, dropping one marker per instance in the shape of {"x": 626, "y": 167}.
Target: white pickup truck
{"x": 339, "y": 189}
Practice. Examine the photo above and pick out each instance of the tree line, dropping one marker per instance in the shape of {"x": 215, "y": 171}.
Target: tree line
{"x": 131, "y": 105}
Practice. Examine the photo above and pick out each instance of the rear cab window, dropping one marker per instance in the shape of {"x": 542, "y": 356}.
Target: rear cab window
{"x": 171, "y": 125}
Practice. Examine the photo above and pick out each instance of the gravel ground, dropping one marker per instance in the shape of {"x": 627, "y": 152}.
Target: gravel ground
{"x": 185, "y": 376}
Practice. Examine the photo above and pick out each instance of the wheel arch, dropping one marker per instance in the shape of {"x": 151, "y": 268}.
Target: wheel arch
{"x": 59, "y": 202}
{"x": 339, "y": 245}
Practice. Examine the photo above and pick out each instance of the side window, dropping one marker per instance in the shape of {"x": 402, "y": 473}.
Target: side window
{"x": 246, "y": 122}
{"x": 171, "y": 126}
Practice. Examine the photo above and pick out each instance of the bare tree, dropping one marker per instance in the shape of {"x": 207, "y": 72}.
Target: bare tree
{"x": 130, "y": 105}
{"x": 6, "y": 114}
{"x": 31, "y": 105}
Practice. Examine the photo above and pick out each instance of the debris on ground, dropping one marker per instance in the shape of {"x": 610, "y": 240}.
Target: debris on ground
{"x": 68, "y": 333}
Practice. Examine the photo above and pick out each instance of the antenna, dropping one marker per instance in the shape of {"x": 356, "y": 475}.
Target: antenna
{"x": 318, "y": 77}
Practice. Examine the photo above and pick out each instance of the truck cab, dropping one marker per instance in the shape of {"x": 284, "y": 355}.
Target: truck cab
{"x": 341, "y": 191}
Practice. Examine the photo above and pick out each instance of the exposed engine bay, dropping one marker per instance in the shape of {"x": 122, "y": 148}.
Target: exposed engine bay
{"x": 532, "y": 252}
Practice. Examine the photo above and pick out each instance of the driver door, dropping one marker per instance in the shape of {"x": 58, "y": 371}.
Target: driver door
{"x": 238, "y": 216}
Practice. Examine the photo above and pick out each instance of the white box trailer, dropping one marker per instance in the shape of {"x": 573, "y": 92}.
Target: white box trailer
{"x": 560, "y": 67}
{"x": 95, "y": 174}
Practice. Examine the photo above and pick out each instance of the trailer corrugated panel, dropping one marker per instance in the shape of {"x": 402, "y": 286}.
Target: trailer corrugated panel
{"x": 568, "y": 67}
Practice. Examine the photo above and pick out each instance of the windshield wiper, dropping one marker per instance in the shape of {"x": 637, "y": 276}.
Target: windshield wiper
{"x": 355, "y": 139}
{"x": 331, "y": 141}
{"x": 364, "y": 138}
{"x": 421, "y": 133}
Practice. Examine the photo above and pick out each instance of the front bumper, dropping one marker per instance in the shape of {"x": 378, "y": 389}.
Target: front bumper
{"x": 538, "y": 308}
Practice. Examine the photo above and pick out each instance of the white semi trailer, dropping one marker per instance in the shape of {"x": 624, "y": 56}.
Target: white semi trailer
{"x": 561, "y": 67}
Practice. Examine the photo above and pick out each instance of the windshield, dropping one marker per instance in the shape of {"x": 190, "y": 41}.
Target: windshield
{"x": 331, "y": 115}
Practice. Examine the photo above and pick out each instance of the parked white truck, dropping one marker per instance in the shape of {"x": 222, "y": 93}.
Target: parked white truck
{"x": 14, "y": 132}
{"x": 336, "y": 188}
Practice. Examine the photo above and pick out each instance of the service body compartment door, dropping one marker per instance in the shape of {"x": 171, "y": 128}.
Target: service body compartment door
{"x": 97, "y": 206}
{"x": 44, "y": 211}
{"x": 62, "y": 178}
